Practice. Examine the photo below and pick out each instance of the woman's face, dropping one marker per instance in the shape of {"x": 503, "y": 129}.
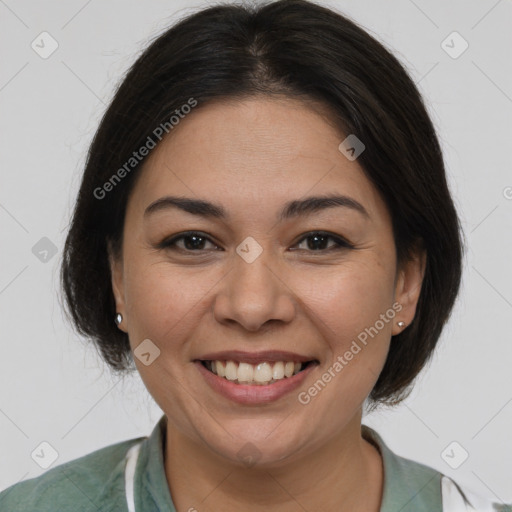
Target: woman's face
{"x": 255, "y": 285}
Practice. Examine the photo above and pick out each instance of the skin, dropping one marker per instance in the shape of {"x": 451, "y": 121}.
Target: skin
{"x": 252, "y": 157}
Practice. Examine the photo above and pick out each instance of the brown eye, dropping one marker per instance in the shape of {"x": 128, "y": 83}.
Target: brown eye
{"x": 192, "y": 242}
{"x": 318, "y": 241}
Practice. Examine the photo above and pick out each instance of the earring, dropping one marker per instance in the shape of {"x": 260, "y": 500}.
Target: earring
{"x": 118, "y": 319}
{"x": 401, "y": 324}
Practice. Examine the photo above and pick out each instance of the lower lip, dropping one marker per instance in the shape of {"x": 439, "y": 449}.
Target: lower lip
{"x": 256, "y": 394}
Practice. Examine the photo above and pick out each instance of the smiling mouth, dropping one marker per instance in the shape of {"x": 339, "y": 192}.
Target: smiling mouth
{"x": 261, "y": 374}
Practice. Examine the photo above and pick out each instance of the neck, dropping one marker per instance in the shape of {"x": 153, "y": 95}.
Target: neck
{"x": 344, "y": 474}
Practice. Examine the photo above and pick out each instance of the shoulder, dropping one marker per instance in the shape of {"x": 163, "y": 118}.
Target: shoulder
{"x": 81, "y": 484}
{"x": 457, "y": 498}
{"x": 454, "y": 497}
{"x": 412, "y": 486}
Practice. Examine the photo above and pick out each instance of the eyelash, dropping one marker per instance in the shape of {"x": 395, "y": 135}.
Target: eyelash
{"x": 170, "y": 243}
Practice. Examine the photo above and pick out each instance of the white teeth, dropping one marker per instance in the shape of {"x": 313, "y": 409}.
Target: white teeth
{"x": 231, "y": 370}
{"x": 245, "y": 372}
{"x": 278, "y": 370}
{"x": 262, "y": 373}
{"x": 221, "y": 368}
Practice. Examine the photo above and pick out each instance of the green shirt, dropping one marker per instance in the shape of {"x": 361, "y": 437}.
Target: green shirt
{"x": 100, "y": 481}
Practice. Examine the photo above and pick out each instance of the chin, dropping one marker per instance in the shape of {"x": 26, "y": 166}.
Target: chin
{"x": 254, "y": 446}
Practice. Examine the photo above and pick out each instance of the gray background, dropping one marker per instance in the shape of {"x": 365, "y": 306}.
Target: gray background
{"x": 54, "y": 387}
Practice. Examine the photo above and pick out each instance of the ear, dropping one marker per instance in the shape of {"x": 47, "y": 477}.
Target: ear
{"x": 117, "y": 278}
{"x": 408, "y": 287}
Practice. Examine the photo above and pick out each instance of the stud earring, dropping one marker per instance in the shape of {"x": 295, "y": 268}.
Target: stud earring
{"x": 118, "y": 319}
{"x": 401, "y": 324}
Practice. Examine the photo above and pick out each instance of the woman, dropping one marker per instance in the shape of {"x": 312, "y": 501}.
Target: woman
{"x": 265, "y": 229}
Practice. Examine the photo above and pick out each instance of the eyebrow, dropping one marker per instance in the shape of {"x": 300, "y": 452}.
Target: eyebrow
{"x": 296, "y": 208}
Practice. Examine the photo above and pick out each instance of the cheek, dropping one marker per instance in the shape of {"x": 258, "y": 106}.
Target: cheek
{"x": 164, "y": 301}
{"x": 352, "y": 308}
{"x": 164, "y": 305}
{"x": 349, "y": 299}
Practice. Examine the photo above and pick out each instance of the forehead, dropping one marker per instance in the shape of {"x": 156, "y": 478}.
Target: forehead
{"x": 252, "y": 151}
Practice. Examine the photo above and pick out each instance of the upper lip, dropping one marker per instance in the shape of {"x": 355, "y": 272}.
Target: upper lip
{"x": 255, "y": 357}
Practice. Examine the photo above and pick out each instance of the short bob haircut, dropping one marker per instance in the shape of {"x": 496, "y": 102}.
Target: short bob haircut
{"x": 299, "y": 50}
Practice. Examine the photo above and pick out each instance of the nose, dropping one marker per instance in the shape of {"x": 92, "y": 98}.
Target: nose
{"x": 253, "y": 294}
